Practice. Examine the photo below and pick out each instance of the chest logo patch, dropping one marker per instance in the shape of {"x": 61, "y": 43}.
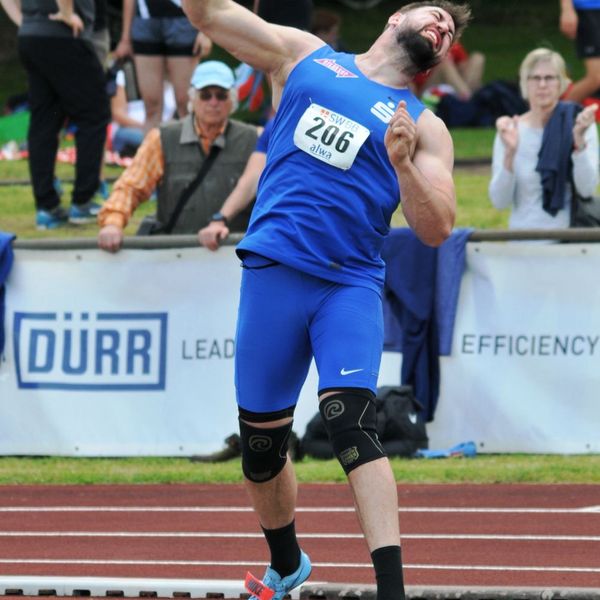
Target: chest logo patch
{"x": 384, "y": 111}
{"x": 331, "y": 64}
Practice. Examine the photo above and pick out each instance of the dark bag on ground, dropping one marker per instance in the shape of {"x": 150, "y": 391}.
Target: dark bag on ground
{"x": 585, "y": 212}
{"x": 493, "y": 100}
{"x": 399, "y": 427}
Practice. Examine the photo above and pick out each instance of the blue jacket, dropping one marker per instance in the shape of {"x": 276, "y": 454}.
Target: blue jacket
{"x": 554, "y": 159}
{"x": 419, "y": 306}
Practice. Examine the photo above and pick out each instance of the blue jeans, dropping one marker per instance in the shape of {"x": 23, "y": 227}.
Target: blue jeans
{"x": 130, "y": 137}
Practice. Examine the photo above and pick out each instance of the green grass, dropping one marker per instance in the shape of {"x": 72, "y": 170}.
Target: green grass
{"x": 475, "y": 210}
{"x": 505, "y": 31}
{"x": 481, "y": 469}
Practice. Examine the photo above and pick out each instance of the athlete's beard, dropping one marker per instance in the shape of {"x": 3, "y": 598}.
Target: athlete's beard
{"x": 419, "y": 50}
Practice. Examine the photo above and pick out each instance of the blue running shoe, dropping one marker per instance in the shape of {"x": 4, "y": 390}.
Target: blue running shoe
{"x": 51, "y": 219}
{"x": 275, "y": 587}
{"x": 84, "y": 213}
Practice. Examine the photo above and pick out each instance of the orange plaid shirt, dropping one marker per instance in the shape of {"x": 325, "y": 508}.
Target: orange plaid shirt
{"x": 140, "y": 178}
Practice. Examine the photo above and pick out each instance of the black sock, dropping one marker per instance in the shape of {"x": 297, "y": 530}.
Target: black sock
{"x": 388, "y": 572}
{"x": 285, "y": 552}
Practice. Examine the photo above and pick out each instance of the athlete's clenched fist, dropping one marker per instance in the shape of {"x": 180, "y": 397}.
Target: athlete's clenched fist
{"x": 400, "y": 136}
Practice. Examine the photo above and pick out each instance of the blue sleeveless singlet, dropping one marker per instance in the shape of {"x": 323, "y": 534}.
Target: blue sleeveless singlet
{"x": 328, "y": 191}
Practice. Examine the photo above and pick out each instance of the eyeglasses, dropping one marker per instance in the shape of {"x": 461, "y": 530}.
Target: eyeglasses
{"x": 547, "y": 79}
{"x": 221, "y": 95}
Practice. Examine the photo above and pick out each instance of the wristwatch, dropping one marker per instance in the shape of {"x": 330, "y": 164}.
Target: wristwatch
{"x": 218, "y": 216}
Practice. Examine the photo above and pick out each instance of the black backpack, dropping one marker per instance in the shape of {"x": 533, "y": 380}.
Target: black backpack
{"x": 493, "y": 100}
{"x": 400, "y": 429}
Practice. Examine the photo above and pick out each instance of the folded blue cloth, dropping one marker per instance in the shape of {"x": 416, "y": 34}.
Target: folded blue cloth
{"x": 420, "y": 299}
{"x": 554, "y": 159}
{"x": 464, "y": 450}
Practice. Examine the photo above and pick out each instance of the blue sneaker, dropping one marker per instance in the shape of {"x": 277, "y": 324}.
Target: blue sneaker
{"x": 275, "y": 587}
{"x": 84, "y": 213}
{"x": 51, "y": 219}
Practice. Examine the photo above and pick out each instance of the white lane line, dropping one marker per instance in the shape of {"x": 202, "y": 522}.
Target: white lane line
{"x": 301, "y": 509}
{"x": 333, "y": 536}
{"x": 324, "y": 565}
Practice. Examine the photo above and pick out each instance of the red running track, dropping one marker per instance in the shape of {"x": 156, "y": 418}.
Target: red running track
{"x": 453, "y": 535}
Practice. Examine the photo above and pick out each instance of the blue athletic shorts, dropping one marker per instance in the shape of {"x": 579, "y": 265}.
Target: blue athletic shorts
{"x": 285, "y": 318}
{"x": 163, "y": 36}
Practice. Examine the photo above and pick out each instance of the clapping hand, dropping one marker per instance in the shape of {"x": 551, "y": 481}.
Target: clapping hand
{"x": 584, "y": 119}
{"x": 508, "y": 129}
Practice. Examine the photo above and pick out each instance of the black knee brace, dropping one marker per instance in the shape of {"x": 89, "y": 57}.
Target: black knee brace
{"x": 351, "y": 422}
{"x": 264, "y": 451}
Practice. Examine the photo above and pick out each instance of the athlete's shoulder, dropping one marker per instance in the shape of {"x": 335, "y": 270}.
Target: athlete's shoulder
{"x": 433, "y": 135}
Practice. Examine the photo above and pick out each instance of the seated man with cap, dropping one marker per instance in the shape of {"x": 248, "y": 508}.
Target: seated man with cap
{"x": 172, "y": 155}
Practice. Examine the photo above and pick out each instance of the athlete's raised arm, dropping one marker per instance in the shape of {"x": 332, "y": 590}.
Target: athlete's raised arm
{"x": 273, "y": 49}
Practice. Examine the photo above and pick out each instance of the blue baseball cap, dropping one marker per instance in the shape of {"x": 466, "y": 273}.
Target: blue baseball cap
{"x": 212, "y": 72}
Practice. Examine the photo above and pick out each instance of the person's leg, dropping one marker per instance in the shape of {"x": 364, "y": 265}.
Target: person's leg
{"x": 472, "y": 70}
{"x": 589, "y": 84}
{"x": 47, "y": 118}
{"x": 149, "y": 58}
{"x": 347, "y": 336}
{"x": 180, "y": 69}
{"x": 82, "y": 88}
{"x": 587, "y": 44}
{"x": 127, "y": 137}
{"x": 151, "y": 76}
{"x": 179, "y": 38}
{"x": 272, "y": 360}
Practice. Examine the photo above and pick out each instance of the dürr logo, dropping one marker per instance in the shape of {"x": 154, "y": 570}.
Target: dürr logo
{"x": 86, "y": 351}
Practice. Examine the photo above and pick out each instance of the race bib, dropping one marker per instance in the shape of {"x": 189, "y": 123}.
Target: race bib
{"x": 329, "y": 136}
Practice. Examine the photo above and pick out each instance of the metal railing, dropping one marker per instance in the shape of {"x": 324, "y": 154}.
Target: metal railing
{"x": 156, "y": 242}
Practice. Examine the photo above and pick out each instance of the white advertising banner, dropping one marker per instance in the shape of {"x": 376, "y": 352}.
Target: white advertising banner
{"x": 524, "y": 374}
{"x": 120, "y": 355}
{"x": 132, "y": 354}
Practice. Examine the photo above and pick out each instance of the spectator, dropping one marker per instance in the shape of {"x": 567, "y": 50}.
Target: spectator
{"x": 461, "y": 70}
{"x": 13, "y": 11}
{"x": 326, "y": 25}
{"x": 163, "y": 43}
{"x": 128, "y": 116}
{"x": 244, "y": 192}
{"x": 171, "y": 156}
{"x": 524, "y": 145}
{"x": 580, "y": 20}
{"x": 65, "y": 80}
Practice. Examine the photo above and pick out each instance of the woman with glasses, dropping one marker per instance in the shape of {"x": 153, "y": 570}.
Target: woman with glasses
{"x": 539, "y": 155}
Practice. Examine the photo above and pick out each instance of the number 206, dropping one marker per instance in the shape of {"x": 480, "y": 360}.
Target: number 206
{"x": 330, "y": 135}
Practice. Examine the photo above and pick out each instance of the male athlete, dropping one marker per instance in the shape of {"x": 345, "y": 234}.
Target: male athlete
{"x": 349, "y": 140}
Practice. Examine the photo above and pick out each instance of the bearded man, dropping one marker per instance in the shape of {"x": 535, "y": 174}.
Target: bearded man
{"x": 349, "y": 142}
